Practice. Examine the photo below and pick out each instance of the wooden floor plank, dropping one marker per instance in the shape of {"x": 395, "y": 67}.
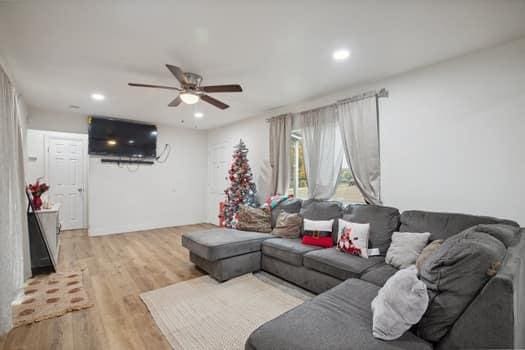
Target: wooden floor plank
{"x": 119, "y": 268}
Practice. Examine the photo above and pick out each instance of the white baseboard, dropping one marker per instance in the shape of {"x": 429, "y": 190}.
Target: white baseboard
{"x": 111, "y": 230}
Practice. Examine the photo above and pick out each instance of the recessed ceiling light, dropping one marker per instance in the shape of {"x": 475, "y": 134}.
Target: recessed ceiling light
{"x": 198, "y": 114}
{"x": 98, "y": 97}
{"x": 341, "y": 54}
{"x": 112, "y": 142}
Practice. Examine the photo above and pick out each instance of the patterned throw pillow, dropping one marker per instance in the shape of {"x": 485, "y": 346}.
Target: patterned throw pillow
{"x": 288, "y": 225}
{"x": 353, "y": 238}
{"x": 254, "y": 219}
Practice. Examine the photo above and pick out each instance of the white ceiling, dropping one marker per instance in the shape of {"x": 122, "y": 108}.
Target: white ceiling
{"x": 59, "y": 52}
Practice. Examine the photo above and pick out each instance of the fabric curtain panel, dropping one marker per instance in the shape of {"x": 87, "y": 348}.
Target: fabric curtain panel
{"x": 21, "y": 119}
{"x": 358, "y": 124}
{"x": 280, "y": 134}
{"x": 323, "y": 152}
{"x": 13, "y": 221}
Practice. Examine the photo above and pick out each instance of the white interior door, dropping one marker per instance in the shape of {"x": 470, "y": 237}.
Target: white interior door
{"x": 217, "y": 172}
{"x": 66, "y": 175}
{"x": 218, "y": 165}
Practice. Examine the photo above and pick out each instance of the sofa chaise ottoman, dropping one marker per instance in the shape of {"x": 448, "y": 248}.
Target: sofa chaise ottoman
{"x": 225, "y": 253}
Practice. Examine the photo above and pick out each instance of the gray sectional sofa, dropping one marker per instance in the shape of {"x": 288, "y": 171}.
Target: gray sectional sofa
{"x": 340, "y": 317}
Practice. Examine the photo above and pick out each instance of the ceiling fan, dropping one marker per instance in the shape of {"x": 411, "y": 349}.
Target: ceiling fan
{"x": 191, "y": 90}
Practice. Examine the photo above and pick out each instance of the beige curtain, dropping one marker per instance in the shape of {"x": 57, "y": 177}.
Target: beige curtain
{"x": 323, "y": 153}
{"x": 358, "y": 123}
{"x": 13, "y": 220}
{"x": 280, "y": 134}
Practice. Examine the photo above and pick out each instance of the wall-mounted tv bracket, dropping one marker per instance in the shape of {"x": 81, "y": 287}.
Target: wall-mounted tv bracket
{"x": 127, "y": 161}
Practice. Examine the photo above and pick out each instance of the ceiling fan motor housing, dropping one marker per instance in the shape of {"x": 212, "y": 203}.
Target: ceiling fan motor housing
{"x": 193, "y": 80}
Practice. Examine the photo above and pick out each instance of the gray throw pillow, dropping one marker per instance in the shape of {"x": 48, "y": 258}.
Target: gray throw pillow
{"x": 405, "y": 248}
{"x": 288, "y": 225}
{"x": 454, "y": 274}
{"x": 399, "y": 305}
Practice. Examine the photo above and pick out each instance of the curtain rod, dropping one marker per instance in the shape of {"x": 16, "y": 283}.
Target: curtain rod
{"x": 381, "y": 93}
{"x": 374, "y": 93}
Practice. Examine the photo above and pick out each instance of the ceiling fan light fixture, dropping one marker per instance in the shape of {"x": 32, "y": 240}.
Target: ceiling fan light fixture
{"x": 189, "y": 97}
{"x": 341, "y": 54}
{"x": 97, "y": 96}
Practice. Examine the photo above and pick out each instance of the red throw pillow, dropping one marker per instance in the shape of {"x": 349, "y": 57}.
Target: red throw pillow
{"x": 325, "y": 242}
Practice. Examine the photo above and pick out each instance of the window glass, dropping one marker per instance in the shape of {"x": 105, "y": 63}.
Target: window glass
{"x": 298, "y": 181}
{"x": 346, "y": 191}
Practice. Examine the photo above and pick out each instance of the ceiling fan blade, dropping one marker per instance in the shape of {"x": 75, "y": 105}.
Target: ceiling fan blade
{"x": 178, "y": 73}
{"x": 155, "y": 86}
{"x": 214, "y": 102}
{"x": 221, "y": 88}
{"x": 177, "y": 101}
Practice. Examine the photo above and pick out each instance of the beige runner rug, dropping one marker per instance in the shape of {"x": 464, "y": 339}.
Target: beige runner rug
{"x": 49, "y": 296}
{"x": 204, "y": 314}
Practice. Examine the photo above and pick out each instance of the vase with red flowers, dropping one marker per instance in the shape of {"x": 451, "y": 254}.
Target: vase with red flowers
{"x": 37, "y": 190}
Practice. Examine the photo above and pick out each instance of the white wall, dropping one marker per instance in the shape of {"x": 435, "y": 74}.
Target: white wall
{"x": 41, "y": 119}
{"x": 129, "y": 199}
{"x": 254, "y": 132}
{"x": 160, "y": 195}
{"x": 452, "y": 135}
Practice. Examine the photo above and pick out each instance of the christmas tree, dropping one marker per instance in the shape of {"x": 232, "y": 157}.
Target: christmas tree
{"x": 242, "y": 188}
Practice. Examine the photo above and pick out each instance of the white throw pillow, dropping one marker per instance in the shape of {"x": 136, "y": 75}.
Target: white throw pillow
{"x": 359, "y": 235}
{"x": 318, "y": 225}
{"x": 405, "y": 248}
{"x": 399, "y": 304}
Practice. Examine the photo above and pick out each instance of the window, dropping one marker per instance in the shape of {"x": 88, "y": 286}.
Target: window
{"x": 298, "y": 182}
{"x": 346, "y": 191}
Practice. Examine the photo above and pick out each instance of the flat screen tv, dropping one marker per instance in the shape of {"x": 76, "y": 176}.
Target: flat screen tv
{"x": 122, "y": 138}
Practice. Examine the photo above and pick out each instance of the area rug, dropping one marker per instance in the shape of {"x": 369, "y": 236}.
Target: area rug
{"x": 204, "y": 314}
{"x": 50, "y": 296}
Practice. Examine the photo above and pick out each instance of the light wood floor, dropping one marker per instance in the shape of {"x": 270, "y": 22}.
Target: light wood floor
{"x": 119, "y": 268}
